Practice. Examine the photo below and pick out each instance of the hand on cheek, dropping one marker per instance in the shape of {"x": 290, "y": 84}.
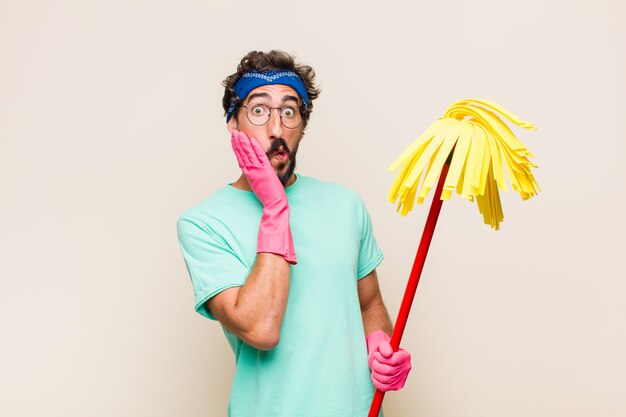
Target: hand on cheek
{"x": 274, "y": 231}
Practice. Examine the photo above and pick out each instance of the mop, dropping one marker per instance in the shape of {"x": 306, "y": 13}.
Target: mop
{"x": 468, "y": 149}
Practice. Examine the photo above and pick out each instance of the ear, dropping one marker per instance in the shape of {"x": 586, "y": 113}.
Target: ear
{"x": 231, "y": 124}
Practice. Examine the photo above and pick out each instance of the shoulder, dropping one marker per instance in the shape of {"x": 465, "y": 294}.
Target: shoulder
{"x": 216, "y": 209}
{"x": 335, "y": 199}
{"x": 327, "y": 188}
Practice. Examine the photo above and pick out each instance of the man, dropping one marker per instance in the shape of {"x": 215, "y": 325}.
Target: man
{"x": 286, "y": 263}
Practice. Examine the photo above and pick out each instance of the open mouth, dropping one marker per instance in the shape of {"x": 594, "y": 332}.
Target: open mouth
{"x": 281, "y": 154}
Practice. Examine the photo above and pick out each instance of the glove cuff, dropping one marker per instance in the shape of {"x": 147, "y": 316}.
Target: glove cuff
{"x": 275, "y": 234}
{"x": 373, "y": 340}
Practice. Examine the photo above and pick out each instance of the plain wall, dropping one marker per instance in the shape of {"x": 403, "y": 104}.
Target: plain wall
{"x": 111, "y": 125}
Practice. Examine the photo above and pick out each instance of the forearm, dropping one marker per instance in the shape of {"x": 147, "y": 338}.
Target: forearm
{"x": 373, "y": 311}
{"x": 262, "y": 300}
{"x": 376, "y": 317}
{"x": 254, "y": 312}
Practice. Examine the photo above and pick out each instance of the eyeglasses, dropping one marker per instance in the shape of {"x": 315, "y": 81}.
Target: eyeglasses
{"x": 259, "y": 114}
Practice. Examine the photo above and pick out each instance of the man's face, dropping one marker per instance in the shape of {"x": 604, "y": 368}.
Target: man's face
{"x": 279, "y": 142}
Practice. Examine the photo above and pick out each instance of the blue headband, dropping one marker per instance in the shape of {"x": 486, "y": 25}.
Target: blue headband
{"x": 251, "y": 80}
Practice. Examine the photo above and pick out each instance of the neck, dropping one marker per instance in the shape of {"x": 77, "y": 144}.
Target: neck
{"x": 243, "y": 184}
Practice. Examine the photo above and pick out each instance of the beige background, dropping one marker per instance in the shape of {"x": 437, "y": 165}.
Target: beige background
{"x": 111, "y": 125}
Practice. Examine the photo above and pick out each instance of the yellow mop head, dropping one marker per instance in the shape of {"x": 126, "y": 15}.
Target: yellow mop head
{"x": 480, "y": 143}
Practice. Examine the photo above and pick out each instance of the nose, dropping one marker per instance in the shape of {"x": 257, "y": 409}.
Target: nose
{"x": 274, "y": 125}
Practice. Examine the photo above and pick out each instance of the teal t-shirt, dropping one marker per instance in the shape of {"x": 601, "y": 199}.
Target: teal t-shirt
{"x": 319, "y": 368}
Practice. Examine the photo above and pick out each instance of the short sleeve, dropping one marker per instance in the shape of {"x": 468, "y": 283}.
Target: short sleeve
{"x": 370, "y": 255}
{"x": 212, "y": 264}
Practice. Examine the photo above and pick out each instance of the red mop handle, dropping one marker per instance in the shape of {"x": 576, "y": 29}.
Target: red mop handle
{"x": 414, "y": 278}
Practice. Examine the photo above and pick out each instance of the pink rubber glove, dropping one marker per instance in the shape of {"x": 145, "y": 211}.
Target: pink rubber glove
{"x": 274, "y": 231}
{"x": 389, "y": 369}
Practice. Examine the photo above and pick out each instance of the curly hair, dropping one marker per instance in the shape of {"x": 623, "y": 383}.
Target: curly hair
{"x": 265, "y": 62}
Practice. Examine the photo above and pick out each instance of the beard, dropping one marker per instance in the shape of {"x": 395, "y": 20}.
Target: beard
{"x": 284, "y": 170}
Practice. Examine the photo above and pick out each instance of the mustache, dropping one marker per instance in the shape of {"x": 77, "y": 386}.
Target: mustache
{"x": 275, "y": 146}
